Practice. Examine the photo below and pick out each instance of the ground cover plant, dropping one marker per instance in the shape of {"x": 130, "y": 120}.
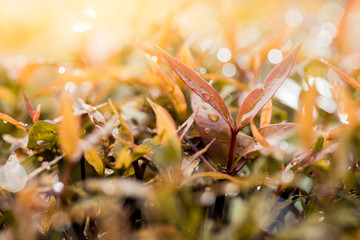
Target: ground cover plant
{"x": 208, "y": 120}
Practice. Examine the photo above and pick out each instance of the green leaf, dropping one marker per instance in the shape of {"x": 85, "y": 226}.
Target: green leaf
{"x": 43, "y": 135}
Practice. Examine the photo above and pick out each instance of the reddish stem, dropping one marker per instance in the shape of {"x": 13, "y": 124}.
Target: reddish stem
{"x": 232, "y": 148}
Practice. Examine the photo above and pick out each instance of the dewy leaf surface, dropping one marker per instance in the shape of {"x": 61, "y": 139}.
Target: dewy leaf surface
{"x": 9, "y": 119}
{"x": 256, "y": 99}
{"x": 211, "y": 125}
{"x": 199, "y": 86}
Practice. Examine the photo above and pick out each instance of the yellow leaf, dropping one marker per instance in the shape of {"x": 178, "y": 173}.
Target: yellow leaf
{"x": 47, "y": 215}
{"x": 165, "y": 126}
{"x": 257, "y": 135}
{"x": 266, "y": 112}
{"x": 123, "y": 159}
{"x": 69, "y": 129}
{"x": 122, "y": 121}
{"x": 216, "y": 175}
{"x": 94, "y": 159}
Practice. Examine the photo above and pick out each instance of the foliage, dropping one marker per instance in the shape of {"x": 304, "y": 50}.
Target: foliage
{"x": 206, "y": 136}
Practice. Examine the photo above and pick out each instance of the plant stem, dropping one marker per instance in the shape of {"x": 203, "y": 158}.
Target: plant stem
{"x": 201, "y": 156}
{"x": 232, "y": 148}
{"x": 241, "y": 165}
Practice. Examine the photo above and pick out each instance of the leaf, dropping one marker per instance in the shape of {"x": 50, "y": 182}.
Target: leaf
{"x": 69, "y": 129}
{"x": 170, "y": 87}
{"x": 123, "y": 159}
{"x": 94, "y": 159}
{"x": 47, "y": 215}
{"x": 199, "y": 86}
{"x": 43, "y": 135}
{"x": 189, "y": 164}
{"x": 266, "y": 112}
{"x": 217, "y": 175}
{"x": 182, "y": 130}
{"x": 9, "y": 119}
{"x": 305, "y": 116}
{"x": 257, "y": 135}
{"x": 95, "y": 116}
{"x": 36, "y": 114}
{"x": 274, "y": 134}
{"x": 211, "y": 125}
{"x": 165, "y": 126}
{"x": 122, "y": 121}
{"x": 13, "y": 177}
{"x": 29, "y": 107}
{"x": 343, "y": 75}
{"x": 256, "y": 99}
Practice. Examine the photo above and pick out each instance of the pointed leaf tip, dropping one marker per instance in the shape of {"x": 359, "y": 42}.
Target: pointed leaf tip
{"x": 198, "y": 85}
{"x": 257, "y": 99}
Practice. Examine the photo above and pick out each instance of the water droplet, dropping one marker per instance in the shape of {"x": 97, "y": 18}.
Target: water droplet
{"x": 5, "y": 121}
{"x": 207, "y": 130}
{"x": 206, "y": 95}
{"x": 58, "y": 187}
{"x": 213, "y": 117}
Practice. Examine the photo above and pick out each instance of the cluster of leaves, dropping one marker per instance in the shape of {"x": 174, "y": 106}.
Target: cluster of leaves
{"x": 168, "y": 154}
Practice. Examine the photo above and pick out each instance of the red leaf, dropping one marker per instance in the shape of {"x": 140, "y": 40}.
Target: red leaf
{"x": 211, "y": 125}
{"x": 256, "y": 99}
{"x": 29, "y": 107}
{"x": 198, "y": 85}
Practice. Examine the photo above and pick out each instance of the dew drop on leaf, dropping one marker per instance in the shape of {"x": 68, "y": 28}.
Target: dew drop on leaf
{"x": 206, "y": 95}
{"x": 213, "y": 117}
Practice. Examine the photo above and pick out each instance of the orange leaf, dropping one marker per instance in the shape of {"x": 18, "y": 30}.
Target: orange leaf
{"x": 170, "y": 87}
{"x": 36, "y": 114}
{"x": 266, "y": 112}
{"x": 343, "y": 75}
{"x": 165, "y": 126}
{"x": 256, "y": 100}
{"x": 199, "y": 86}
{"x": 69, "y": 129}
{"x": 257, "y": 135}
{"x": 9, "y": 119}
{"x": 305, "y": 116}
